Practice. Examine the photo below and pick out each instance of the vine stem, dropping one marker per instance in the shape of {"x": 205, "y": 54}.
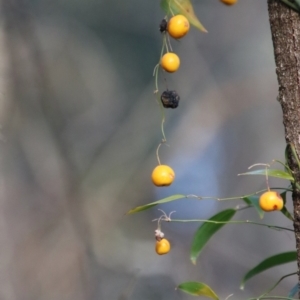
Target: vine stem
{"x": 163, "y": 118}
{"x": 273, "y": 297}
{"x": 275, "y": 285}
{"x": 157, "y": 156}
{"x": 155, "y": 74}
{"x": 233, "y": 222}
{"x": 237, "y": 197}
{"x": 157, "y": 151}
{"x": 267, "y": 177}
{"x": 283, "y": 164}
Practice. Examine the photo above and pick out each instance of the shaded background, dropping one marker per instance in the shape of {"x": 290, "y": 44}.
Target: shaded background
{"x": 80, "y": 127}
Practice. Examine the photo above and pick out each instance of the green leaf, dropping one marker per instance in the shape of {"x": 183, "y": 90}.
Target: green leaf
{"x": 292, "y": 5}
{"x": 150, "y": 205}
{"x": 288, "y": 149}
{"x": 268, "y": 263}
{"x": 286, "y": 153}
{"x": 283, "y": 196}
{"x": 284, "y": 210}
{"x": 295, "y": 155}
{"x": 254, "y": 201}
{"x": 294, "y": 291}
{"x": 198, "y": 289}
{"x": 183, "y": 7}
{"x": 287, "y": 213}
{"x": 271, "y": 173}
{"x": 207, "y": 230}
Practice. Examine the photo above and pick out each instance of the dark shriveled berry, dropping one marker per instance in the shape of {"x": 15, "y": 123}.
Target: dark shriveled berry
{"x": 163, "y": 25}
{"x": 170, "y": 99}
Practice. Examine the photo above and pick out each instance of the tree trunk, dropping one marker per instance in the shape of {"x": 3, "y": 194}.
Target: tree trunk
{"x": 285, "y": 28}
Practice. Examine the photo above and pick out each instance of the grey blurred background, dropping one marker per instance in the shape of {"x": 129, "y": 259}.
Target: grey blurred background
{"x": 79, "y": 130}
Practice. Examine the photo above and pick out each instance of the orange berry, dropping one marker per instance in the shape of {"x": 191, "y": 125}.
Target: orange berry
{"x": 270, "y": 201}
{"x": 163, "y": 175}
{"x": 162, "y": 247}
{"x": 178, "y": 26}
{"x": 170, "y": 62}
{"x": 229, "y": 2}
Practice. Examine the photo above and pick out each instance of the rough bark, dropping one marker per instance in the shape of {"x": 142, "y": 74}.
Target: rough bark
{"x": 285, "y": 28}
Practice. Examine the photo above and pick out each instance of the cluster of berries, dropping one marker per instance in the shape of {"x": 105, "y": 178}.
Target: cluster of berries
{"x": 177, "y": 27}
{"x": 268, "y": 201}
{"x": 162, "y": 175}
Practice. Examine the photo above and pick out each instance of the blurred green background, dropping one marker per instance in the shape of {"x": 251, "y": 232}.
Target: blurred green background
{"x": 80, "y": 127}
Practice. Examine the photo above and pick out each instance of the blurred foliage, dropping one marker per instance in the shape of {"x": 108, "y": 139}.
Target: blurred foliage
{"x": 81, "y": 126}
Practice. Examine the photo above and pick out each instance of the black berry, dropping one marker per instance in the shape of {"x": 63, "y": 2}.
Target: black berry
{"x": 163, "y": 25}
{"x": 170, "y": 99}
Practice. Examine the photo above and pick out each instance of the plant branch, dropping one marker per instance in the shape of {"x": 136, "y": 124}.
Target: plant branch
{"x": 232, "y": 222}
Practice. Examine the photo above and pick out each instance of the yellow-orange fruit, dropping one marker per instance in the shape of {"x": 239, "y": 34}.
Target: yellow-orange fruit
{"x": 270, "y": 201}
{"x": 170, "y": 62}
{"x": 162, "y": 247}
{"x": 178, "y": 26}
{"x": 163, "y": 175}
{"x": 229, "y": 2}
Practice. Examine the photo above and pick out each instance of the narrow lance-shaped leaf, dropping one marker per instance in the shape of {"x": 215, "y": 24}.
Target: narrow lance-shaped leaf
{"x": 295, "y": 5}
{"x": 287, "y": 213}
{"x": 286, "y": 154}
{"x": 297, "y": 2}
{"x": 183, "y": 7}
{"x": 254, "y": 201}
{"x": 207, "y": 230}
{"x": 290, "y": 149}
{"x": 284, "y": 210}
{"x": 268, "y": 263}
{"x": 271, "y": 173}
{"x": 295, "y": 153}
{"x": 152, "y": 204}
{"x": 198, "y": 289}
